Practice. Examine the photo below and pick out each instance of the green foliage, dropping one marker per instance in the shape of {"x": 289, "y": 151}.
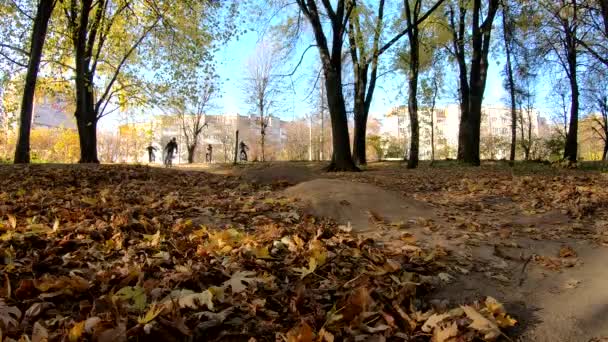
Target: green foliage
{"x": 375, "y": 143}
{"x": 393, "y": 148}
{"x": 554, "y": 146}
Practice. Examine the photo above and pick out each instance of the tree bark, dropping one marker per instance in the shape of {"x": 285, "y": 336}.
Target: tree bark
{"x": 87, "y": 133}
{"x": 341, "y": 158}
{"x": 86, "y": 115}
{"x": 604, "y": 9}
{"x": 508, "y": 37}
{"x": 435, "y": 91}
{"x": 571, "y": 148}
{"x": 469, "y": 137}
{"x": 458, "y": 37}
{"x": 412, "y": 18}
{"x": 332, "y": 70}
{"x": 360, "y": 114}
{"x": 191, "y": 149}
{"x": 41, "y": 22}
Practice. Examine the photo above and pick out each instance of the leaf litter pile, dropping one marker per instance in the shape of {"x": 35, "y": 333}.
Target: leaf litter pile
{"x": 116, "y": 253}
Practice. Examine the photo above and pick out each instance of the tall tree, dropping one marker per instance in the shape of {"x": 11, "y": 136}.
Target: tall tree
{"x": 262, "y": 86}
{"x": 508, "y": 40}
{"x": 560, "y": 38}
{"x": 94, "y": 32}
{"x": 601, "y": 121}
{"x": 41, "y": 22}
{"x": 331, "y": 60}
{"x": 191, "y": 109}
{"x": 472, "y": 87}
{"x": 119, "y": 46}
{"x": 596, "y": 98}
{"x": 411, "y": 15}
{"x": 365, "y": 50}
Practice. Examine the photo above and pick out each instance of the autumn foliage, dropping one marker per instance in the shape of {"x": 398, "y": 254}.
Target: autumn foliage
{"x": 115, "y": 253}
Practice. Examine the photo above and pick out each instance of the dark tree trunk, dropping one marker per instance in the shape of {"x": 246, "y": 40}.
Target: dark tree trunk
{"x": 361, "y": 112}
{"x": 412, "y": 18}
{"x": 41, "y": 22}
{"x": 341, "y": 158}
{"x": 604, "y": 8}
{"x": 359, "y": 143}
{"x": 471, "y": 122}
{"x": 571, "y": 148}
{"x": 86, "y": 114}
{"x": 191, "y": 149}
{"x": 605, "y": 129}
{"x": 236, "y": 147}
{"x": 332, "y": 70}
{"x": 458, "y": 45}
{"x": 87, "y": 133}
{"x": 508, "y": 38}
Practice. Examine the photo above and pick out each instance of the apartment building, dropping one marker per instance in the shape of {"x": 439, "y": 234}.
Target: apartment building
{"x": 495, "y": 129}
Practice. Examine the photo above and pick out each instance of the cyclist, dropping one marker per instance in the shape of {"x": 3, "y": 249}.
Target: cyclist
{"x": 151, "y": 149}
{"x": 170, "y": 149}
{"x": 244, "y": 149}
{"x": 208, "y": 155}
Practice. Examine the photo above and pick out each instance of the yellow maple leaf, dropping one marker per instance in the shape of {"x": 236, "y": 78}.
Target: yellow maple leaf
{"x": 76, "y": 332}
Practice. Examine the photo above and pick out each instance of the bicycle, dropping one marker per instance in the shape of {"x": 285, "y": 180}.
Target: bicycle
{"x": 169, "y": 160}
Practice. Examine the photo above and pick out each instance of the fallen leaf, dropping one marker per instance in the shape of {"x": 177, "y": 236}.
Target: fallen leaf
{"x": 236, "y": 281}
{"x": 39, "y": 333}
{"x": 480, "y": 323}
{"x": 187, "y": 299}
{"x": 566, "y": 252}
{"x": 572, "y": 283}
{"x": 134, "y": 294}
{"x": 358, "y": 302}
{"x": 432, "y": 322}
{"x": 300, "y": 333}
{"x": 9, "y": 315}
{"x": 325, "y": 336}
{"x": 76, "y": 331}
{"x": 445, "y": 333}
{"x": 445, "y": 277}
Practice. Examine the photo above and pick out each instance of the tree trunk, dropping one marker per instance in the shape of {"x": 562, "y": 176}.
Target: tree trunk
{"x": 507, "y": 37}
{"x": 87, "y": 134}
{"x": 322, "y": 135}
{"x": 458, "y": 44}
{"x": 86, "y": 115}
{"x": 605, "y": 150}
{"x": 341, "y": 159}
{"x": 191, "y": 149}
{"x": 477, "y": 82}
{"x": 310, "y": 149}
{"x": 360, "y": 115}
{"x": 571, "y": 148}
{"x": 360, "y": 132}
{"x": 236, "y": 146}
{"x": 41, "y": 21}
{"x": 604, "y": 8}
{"x": 412, "y": 18}
{"x": 435, "y": 91}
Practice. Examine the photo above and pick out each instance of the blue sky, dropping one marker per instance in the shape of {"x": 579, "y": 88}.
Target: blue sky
{"x": 233, "y": 58}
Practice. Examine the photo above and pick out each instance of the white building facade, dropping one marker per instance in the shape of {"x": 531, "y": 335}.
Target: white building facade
{"x": 495, "y": 130}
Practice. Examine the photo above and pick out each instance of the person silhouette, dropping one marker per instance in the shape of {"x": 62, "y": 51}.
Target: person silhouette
{"x": 170, "y": 149}
{"x": 151, "y": 156}
{"x": 209, "y": 154}
{"x": 244, "y": 149}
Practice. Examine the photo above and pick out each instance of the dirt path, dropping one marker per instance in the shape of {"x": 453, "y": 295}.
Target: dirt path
{"x": 503, "y": 233}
